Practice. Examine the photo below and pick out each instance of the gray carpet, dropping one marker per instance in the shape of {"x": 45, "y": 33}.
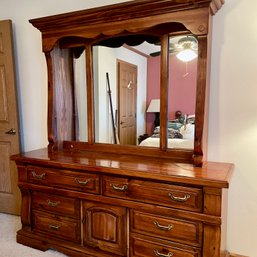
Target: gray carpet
{"x": 9, "y": 224}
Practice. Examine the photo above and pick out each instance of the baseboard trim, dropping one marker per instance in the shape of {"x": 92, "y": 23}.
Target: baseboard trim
{"x": 234, "y": 255}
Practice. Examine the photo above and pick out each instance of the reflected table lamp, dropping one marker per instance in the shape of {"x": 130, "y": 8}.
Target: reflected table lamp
{"x": 154, "y": 106}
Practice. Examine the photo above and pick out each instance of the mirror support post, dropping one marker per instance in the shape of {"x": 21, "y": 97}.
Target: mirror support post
{"x": 164, "y": 91}
{"x": 50, "y": 110}
{"x": 201, "y": 94}
{"x": 90, "y": 95}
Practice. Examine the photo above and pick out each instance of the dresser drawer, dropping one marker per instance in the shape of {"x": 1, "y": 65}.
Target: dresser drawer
{"x": 180, "y": 197}
{"x": 143, "y": 247}
{"x": 57, "y": 226}
{"x": 56, "y": 204}
{"x": 185, "y": 232}
{"x": 85, "y": 182}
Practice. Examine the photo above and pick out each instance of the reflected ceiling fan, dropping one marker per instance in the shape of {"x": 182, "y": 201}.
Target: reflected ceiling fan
{"x": 185, "y": 48}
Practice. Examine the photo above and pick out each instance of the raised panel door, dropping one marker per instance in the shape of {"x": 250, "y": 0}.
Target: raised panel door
{"x": 10, "y": 197}
{"x": 127, "y": 102}
{"x": 105, "y": 227}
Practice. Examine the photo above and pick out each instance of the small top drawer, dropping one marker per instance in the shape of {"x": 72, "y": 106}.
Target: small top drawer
{"x": 85, "y": 182}
{"x": 181, "y": 231}
{"x": 56, "y": 204}
{"x": 180, "y": 197}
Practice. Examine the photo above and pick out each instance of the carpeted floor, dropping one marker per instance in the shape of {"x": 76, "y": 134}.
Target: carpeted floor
{"x": 9, "y": 224}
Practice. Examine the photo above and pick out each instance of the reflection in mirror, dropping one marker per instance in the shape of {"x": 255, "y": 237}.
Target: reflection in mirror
{"x": 182, "y": 91}
{"x": 181, "y": 97}
{"x": 79, "y": 66}
{"x": 127, "y": 71}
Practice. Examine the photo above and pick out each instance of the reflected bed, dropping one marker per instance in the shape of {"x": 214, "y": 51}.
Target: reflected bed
{"x": 180, "y": 134}
{"x": 172, "y": 143}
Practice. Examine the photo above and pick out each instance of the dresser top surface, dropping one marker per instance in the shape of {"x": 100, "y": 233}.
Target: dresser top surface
{"x": 213, "y": 174}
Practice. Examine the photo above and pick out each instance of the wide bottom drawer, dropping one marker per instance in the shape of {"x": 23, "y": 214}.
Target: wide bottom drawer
{"x": 57, "y": 226}
{"x": 148, "y": 247}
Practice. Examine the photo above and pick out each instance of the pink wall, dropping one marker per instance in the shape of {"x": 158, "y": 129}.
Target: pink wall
{"x": 182, "y": 87}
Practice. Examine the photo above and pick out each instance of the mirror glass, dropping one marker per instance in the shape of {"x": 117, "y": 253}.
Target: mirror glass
{"x": 182, "y": 84}
{"x": 121, "y": 93}
{"x": 182, "y": 91}
{"x": 127, "y": 93}
{"x": 80, "y": 92}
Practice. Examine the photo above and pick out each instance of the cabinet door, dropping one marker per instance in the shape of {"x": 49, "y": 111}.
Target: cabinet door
{"x": 105, "y": 227}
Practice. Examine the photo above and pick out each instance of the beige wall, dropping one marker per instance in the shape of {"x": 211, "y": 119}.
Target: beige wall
{"x": 233, "y": 101}
{"x": 233, "y": 116}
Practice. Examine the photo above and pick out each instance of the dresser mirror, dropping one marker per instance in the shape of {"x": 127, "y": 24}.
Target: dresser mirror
{"x": 79, "y": 117}
{"x": 126, "y": 79}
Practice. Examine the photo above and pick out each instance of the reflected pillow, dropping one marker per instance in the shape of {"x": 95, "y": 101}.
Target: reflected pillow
{"x": 191, "y": 119}
{"x": 187, "y": 131}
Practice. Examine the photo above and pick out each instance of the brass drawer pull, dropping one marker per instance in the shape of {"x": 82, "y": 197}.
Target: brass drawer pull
{"x": 161, "y": 227}
{"x": 179, "y": 199}
{"x": 54, "y": 227}
{"x": 52, "y": 204}
{"x": 82, "y": 182}
{"x": 121, "y": 189}
{"x": 157, "y": 253}
{"x": 38, "y": 176}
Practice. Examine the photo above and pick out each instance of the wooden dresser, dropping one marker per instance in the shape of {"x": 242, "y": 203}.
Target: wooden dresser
{"x": 96, "y": 204}
{"x": 85, "y": 196}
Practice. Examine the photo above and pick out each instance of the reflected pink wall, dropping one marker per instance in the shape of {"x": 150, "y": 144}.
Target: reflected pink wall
{"x": 182, "y": 87}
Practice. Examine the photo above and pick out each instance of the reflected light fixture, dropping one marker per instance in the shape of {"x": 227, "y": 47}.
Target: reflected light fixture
{"x": 186, "y": 55}
{"x": 189, "y": 49}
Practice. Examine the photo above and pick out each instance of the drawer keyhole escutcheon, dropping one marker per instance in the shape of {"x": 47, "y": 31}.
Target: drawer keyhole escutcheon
{"x": 179, "y": 199}
{"x": 52, "y": 204}
{"x": 38, "y": 176}
{"x": 82, "y": 182}
{"x": 121, "y": 189}
{"x": 157, "y": 253}
{"x": 54, "y": 227}
{"x": 161, "y": 227}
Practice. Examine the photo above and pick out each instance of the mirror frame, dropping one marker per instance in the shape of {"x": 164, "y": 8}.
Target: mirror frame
{"x": 81, "y": 29}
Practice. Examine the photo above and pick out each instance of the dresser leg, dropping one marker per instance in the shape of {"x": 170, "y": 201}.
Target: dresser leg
{"x": 211, "y": 241}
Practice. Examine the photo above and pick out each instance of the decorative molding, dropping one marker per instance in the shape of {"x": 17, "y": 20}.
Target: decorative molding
{"x": 144, "y": 16}
{"x": 118, "y": 12}
{"x": 216, "y": 5}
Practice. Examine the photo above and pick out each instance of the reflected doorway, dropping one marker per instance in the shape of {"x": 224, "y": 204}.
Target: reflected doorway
{"x": 127, "y": 102}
